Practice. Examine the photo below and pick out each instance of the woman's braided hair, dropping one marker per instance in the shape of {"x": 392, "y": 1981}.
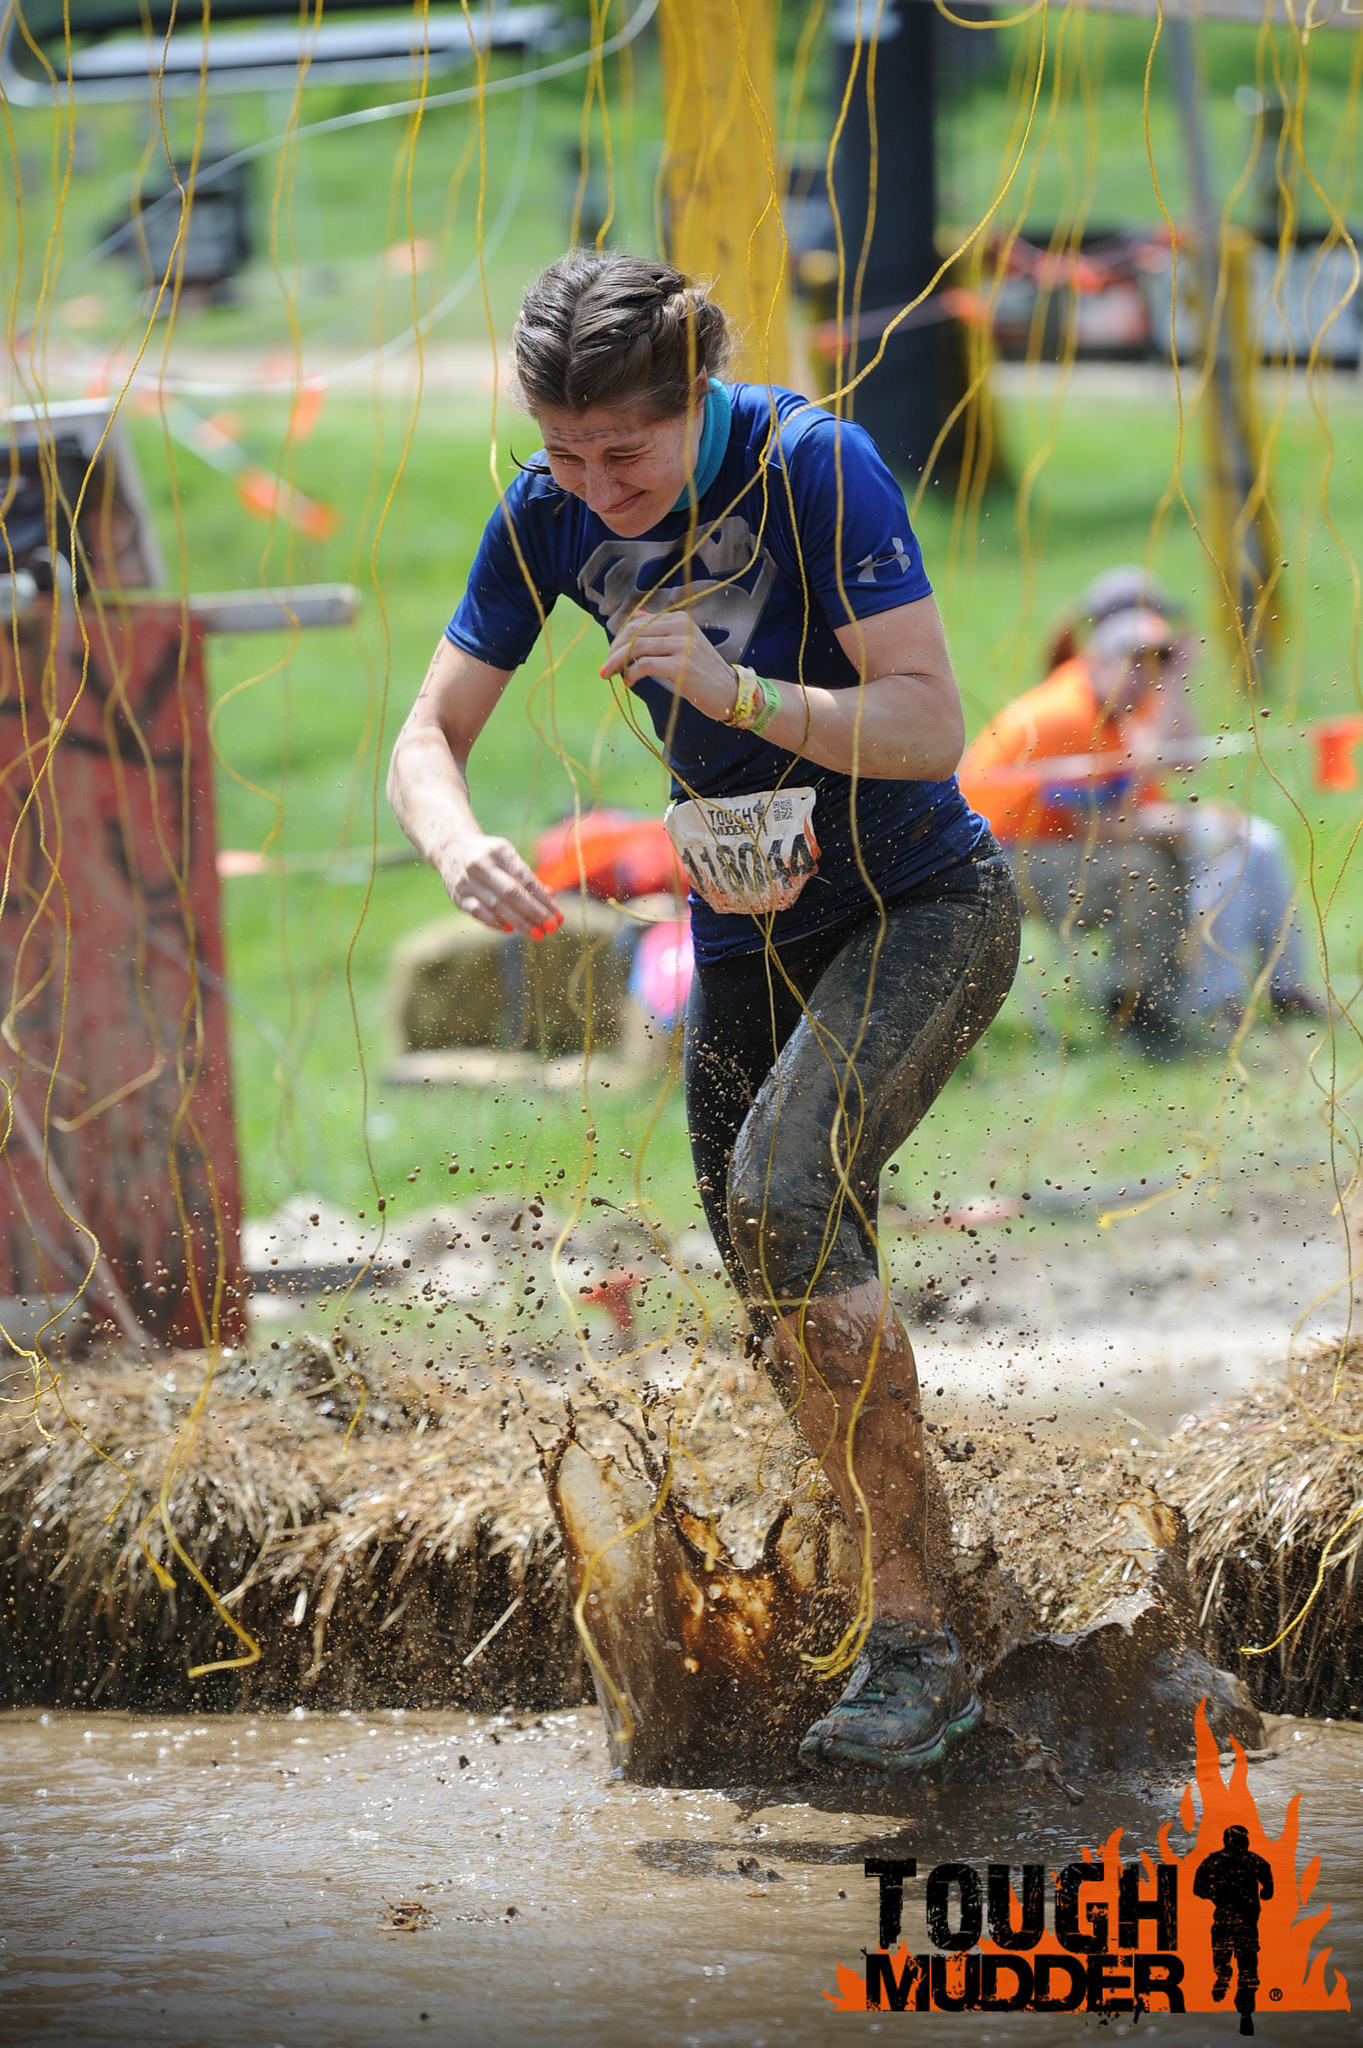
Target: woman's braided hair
{"x": 615, "y": 330}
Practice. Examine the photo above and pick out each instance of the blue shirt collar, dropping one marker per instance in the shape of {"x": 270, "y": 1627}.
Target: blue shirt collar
{"x": 714, "y": 439}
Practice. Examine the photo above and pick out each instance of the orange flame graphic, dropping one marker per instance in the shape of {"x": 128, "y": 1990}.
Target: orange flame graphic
{"x": 1291, "y": 1978}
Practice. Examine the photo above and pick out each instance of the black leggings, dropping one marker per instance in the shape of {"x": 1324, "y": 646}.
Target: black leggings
{"x": 807, "y": 1069}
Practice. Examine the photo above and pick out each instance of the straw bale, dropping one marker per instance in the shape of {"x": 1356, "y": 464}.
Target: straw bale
{"x": 1271, "y": 1484}
{"x": 455, "y": 984}
{"x": 370, "y": 1528}
{"x": 367, "y": 1562}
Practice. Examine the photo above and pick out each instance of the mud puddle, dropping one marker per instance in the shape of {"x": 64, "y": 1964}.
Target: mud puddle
{"x": 374, "y": 1881}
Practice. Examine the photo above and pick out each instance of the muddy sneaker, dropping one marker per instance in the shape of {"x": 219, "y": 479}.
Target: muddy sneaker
{"x": 908, "y": 1700}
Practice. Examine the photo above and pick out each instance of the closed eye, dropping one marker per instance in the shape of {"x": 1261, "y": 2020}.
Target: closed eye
{"x": 609, "y": 455}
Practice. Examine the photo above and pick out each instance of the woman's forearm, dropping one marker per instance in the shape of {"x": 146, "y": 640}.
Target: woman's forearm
{"x": 429, "y": 791}
{"x": 903, "y": 722}
{"x": 901, "y": 728}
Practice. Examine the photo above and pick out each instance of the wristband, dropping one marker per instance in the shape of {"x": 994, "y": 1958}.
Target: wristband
{"x": 746, "y": 697}
{"x": 771, "y": 704}
{"x": 756, "y": 703}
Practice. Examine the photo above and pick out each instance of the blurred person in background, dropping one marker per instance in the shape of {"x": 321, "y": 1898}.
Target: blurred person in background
{"x": 1195, "y": 898}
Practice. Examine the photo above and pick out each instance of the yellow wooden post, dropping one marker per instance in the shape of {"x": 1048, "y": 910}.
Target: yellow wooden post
{"x": 721, "y": 174}
{"x": 1241, "y": 526}
{"x": 1241, "y": 529}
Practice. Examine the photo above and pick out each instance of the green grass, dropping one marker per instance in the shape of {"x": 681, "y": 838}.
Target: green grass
{"x": 303, "y": 731}
{"x": 303, "y": 735}
{"x": 1087, "y": 154}
{"x": 327, "y": 208}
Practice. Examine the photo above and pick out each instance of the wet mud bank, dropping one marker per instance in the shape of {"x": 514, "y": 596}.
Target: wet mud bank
{"x": 391, "y": 1541}
{"x": 383, "y": 1542}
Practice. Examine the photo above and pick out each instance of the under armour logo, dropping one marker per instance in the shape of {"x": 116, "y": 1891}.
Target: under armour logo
{"x": 867, "y": 564}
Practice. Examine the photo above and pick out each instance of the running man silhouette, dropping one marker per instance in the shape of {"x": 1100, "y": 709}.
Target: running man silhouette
{"x": 1235, "y": 1880}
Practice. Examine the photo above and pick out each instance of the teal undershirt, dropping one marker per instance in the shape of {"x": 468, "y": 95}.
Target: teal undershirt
{"x": 714, "y": 439}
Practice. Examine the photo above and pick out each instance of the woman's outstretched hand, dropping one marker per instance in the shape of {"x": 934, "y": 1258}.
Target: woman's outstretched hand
{"x": 671, "y": 647}
{"x": 429, "y": 791}
{"x": 487, "y": 878}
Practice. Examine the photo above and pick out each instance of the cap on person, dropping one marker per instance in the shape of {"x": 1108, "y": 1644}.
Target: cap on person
{"x": 1128, "y": 588}
{"x": 1135, "y": 630}
{"x": 1125, "y": 588}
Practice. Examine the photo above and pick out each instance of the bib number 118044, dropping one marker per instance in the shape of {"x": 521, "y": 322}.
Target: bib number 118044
{"x": 751, "y": 853}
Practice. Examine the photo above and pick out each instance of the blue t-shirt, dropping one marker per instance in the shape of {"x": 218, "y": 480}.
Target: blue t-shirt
{"x": 765, "y": 579}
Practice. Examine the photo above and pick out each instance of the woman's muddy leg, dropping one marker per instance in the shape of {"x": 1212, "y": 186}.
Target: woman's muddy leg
{"x": 888, "y": 1022}
{"x": 849, "y": 1378}
{"x": 738, "y": 1018}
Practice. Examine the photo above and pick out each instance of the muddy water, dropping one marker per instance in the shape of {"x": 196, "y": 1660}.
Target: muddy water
{"x": 369, "y": 1882}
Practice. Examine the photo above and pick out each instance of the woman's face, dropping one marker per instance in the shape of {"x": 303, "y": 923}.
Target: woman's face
{"x": 630, "y": 470}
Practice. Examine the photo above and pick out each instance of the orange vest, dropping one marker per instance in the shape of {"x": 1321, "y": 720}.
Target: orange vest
{"x": 1059, "y": 718}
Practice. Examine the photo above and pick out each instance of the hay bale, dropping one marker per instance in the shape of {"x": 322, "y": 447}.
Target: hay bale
{"x": 368, "y": 1537}
{"x": 445, "y": 986}
{"x": 1271, "y": 1483}
{"x": 455, "y": 984}
{"x": 375, "y": 1532}
{"x": 573, "y": 987}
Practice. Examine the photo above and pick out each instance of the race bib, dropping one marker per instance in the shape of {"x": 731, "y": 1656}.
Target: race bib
{"x": 749, "y": 853}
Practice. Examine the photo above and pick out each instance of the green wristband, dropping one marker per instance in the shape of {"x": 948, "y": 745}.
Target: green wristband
{"x": 771, "y": 704}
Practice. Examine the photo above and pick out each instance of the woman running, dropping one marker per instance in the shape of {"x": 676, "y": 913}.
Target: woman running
{"x": 855, "y": 925}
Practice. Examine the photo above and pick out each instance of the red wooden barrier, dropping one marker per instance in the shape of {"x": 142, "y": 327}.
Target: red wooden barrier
{"x": 116, "y": 1127}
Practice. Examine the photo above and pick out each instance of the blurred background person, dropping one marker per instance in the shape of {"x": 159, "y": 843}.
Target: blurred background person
{"x": 1195, "y": 898}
